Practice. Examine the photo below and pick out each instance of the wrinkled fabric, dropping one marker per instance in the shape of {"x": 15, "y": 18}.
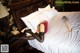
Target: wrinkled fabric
{"x": 58, "y": 39}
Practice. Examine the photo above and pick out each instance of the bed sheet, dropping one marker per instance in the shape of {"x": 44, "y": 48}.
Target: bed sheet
{"x": 58, "y": 39}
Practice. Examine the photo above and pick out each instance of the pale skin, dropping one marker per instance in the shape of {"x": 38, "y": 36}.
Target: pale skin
{"x": 66, "y": 21}
{"x": 40, "y": 28}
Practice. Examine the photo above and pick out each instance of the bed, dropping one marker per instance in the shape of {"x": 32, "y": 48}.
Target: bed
{"x": 57, "y": 39}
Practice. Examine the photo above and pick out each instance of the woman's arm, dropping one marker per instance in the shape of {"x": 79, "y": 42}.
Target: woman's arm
{"x": 39, "y": 37}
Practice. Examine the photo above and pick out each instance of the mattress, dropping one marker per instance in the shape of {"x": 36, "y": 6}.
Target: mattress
{"x": 58, "y": 39}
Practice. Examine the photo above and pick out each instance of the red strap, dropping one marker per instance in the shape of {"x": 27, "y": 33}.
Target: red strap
{"x": 45, "y": 25}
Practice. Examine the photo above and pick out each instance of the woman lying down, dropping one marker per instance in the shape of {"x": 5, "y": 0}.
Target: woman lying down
{"x": 39, "y": 34}
{"x": 38, "y": 27}
{"x": 42, "y": 29}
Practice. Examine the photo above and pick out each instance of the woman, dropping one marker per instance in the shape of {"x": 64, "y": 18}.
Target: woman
{"x": 39, "y": 34}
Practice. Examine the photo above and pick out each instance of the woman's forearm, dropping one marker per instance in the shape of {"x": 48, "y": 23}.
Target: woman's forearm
{"x": 39, "y": 37}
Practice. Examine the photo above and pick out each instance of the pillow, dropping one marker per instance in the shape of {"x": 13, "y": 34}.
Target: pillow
{"x": 33, "y": 20}
{"x": 53, "y": 7}
{"x": 27, "y": 23}
{"x": 49, "y": 12}
{"x": 46, "y": 8}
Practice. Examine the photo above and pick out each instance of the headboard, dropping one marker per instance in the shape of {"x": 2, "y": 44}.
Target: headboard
{"x": 23, "y": 8}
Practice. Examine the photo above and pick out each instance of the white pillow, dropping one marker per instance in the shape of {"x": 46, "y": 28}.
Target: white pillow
{"x": 49, "y": 12}
{"x": 53, "y": 8}
{"x": 46, "y": 8}
{"x": 33, "y": 20}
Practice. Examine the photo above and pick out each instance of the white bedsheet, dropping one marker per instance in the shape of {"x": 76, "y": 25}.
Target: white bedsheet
{"x": 58, "y": 39}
